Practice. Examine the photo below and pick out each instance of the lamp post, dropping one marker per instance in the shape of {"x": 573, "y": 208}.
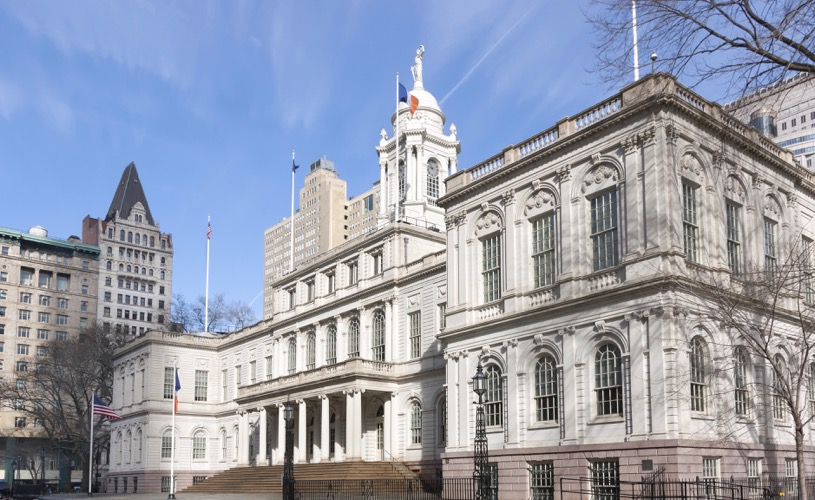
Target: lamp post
{"x": 481, "y": 473}
{"x": 288, "y": 458}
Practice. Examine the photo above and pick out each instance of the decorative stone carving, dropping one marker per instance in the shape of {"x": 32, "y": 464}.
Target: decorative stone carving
{"x": 734, "y": 187}
{"x": 488, "y": 221}
{"x": 792, "y": 199}
{"x": 538, "y": 339}
{"x": 718, "y": 159}
{"x": 758, "y": 180}
{"x": 564, "y": 173}
{"x": 671, "y": 133}
{"x": 690, "y": 163}
{"x": 508, "y": 197}
{"x": 441, "y": 291}
{"x": 485, "y": 350}
{"x": 599, "y": 175}
{"x": 600, "y": 326}
{"x": 413, "y": 300}
{"x": 595, "y": 158}
{"x": 771, "y": 206}
{"x": 541, "y": 198}
{"x": 567, "y": 330}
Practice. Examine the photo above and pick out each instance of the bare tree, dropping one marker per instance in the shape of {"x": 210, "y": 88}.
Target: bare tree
{"x": 746, "y": 44}
{"x": 222, "y": 317}
{"x": 55, "y": 394}
{"x": 765, "y": 360}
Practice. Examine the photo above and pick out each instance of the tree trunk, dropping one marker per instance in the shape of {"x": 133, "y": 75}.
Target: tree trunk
{"x": 799, "y": 455}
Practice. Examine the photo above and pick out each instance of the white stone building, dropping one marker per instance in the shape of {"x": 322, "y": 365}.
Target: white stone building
{"x": 566, "y": 257}
{"x": 351, "y": 344}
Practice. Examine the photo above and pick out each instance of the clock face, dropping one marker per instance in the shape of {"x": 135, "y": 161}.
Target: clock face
{"x": 432, "y": 168}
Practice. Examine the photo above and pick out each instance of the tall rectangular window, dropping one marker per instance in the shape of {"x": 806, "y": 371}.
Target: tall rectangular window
{"x": 710, "y": 475}
{"x": 543, "y": 250}
{"x": 791, "y": 479}
{"x": 754, "y": 473}
{"x": 169, "y": 382}
{"x": 491, "y": 267}
{"x": 201, "y": 382}
{"x": 690, "y": 229}
{"x": 269, "y": 368}
{"x": 604, "y": 230}
{"x": 769, "y": 245}
{"x": 415, "y": 320}
{"x": 224, "y": 378}
{"x": 353, "y": 273}
{"x": 442, "y": 315}
{"x": 806, "y": 264}
{"x": 605, "y": 479}
{"x": 253, "y": 372}
{"x": 238, "y": 374}
{"x": 733, "y": 238}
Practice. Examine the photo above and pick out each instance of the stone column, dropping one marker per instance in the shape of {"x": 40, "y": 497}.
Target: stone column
{"x": 388, "y": 429}
{"x": 243, "y": 436}
{"x": 281, "y": 437}
{"x": 261, "y": 459}
{"x": 324, "y": 431}
{"x": 358, "y": 424}
{"x": 302, "y": 431}
{"x": 383, "y": 189}
{"x": 349, "y": 423}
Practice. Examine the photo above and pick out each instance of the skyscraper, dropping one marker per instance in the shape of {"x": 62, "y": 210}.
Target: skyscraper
{"x": 136, "y": 260}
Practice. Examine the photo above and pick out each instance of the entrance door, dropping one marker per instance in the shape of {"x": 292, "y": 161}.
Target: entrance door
{"x": 380, "y": 433}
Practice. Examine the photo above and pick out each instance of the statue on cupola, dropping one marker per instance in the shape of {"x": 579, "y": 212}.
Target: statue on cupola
{"x": 414, "y": 178}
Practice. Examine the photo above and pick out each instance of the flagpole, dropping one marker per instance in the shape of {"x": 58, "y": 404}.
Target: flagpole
{"x": 172, "y": 436}
{"x": 291, "y": 223}
{"x": 90, "y": 458}
{"x": 634, "y": 26}
{"x": 396, "y": 140}
{"x": 206, "y": 286}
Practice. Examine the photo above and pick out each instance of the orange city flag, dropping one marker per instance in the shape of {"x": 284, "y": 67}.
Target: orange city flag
{"x": 414, "y": 103}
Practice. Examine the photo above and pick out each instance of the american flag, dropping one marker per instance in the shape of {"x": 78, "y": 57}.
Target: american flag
{"x": 209, "y": 230}
{"x": 100, "y": 408}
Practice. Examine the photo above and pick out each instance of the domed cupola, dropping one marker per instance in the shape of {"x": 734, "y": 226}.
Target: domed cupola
{"x": 426, "y": 157}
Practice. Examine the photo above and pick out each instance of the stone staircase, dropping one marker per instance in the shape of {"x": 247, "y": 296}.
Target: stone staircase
{"x": 267, "y": 479}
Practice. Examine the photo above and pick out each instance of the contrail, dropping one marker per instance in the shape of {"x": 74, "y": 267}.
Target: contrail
{"x": 496, "y": 44}
{"x": 256, "y": 298}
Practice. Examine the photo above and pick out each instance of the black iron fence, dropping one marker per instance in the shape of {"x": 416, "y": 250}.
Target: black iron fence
{"x": 400, "y": 489}
{"x": 663, "y": 488}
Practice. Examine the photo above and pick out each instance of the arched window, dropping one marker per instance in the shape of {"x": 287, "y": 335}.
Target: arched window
{"x": 378, "y": 339}
{"x": 491, "y": 267}
{"x": 331, "y": 345}
{"x": 494, "y": 398}
{"x": 152, "y": 241}
{"x": 546, "y": 397}
{"x": 150, "y": 272}
{"x": 130, "y": 237}
{"x": 162, "y": 275}
{"x": 778, "y": 381}
{"x": 121, "y": 267}
{"x": 121, "y": 235}
{"x": 432, "y": 178}
{"x": 110, "y": 251}
{"x": 442, "y": 420}
{"x": 138, "y": 239}
{"x": 136, "y": 269}
{"x": 292, "y": 355}
{"x": 144, "y": 240}
{"x": 166, "y": 444}
{"x": 120, "y": 445}
{"x": 311, "y": 351}
{"x": 223, "y": 444}
{"x": 126, "y": 445}
{"x": 402, "y": 175}
{"x": 129, "y": 269}
{"x": 163, "y": 261}
{"x": 698, "y": 377}
{"x": 139, "y": 444}
{"x": 199, "y": 445}
{"x": 604, "y": 236}
{"x": 608, "y": 383}
{"x": 109, "y": 266}
{"x": 415, "y": 423}
{"x": 353, "y": 338}
{"x": 236, "y": 443}
{"x": 742, "y": 397}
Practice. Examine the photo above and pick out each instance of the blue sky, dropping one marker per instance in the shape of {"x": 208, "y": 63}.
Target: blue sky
{"x": 208, "y": 98}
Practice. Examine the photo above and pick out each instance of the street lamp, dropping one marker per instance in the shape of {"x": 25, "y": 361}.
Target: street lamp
{"x": 481, "y": 457}
{"x": 288, "y": 458}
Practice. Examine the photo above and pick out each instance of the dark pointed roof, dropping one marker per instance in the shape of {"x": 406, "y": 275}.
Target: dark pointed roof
{"x": 128, "y": 193}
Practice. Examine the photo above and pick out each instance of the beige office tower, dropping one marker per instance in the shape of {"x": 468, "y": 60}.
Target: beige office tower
{"x": 136, "y": 261}
{"x": 48, "y": 293}
{"x": 319, "y": 224}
